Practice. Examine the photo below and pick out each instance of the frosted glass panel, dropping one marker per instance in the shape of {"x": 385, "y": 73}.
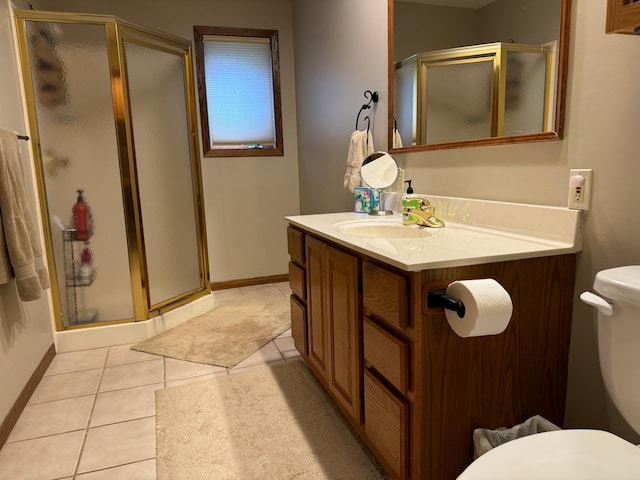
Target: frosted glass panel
{"x": 161, "y": 138}
{"x": 525, "y": 93}
{"x": 404, "y": 103}
{"x": 72, "y": 91}
{"x": 458, "y": 101}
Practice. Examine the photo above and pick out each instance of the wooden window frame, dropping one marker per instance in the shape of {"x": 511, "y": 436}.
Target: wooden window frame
{"x": 272, "y": 35}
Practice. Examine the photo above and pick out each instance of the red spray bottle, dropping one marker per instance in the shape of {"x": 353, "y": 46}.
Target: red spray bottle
{"x": 81, "y": 218}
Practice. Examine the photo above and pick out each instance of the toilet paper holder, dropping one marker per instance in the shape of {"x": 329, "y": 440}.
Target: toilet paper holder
{"x": 439, "y": 298}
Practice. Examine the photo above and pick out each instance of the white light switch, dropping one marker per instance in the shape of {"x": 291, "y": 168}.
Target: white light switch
{"x": 580, "y": 181}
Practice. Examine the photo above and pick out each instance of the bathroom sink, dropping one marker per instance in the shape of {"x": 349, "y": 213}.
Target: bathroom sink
{"x": 476, "y": 232}
{"x": 381, "y": 229}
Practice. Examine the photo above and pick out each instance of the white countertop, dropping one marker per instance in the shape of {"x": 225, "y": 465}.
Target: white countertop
{"x": 475, "y": 232}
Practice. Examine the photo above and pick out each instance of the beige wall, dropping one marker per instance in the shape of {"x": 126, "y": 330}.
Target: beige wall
{"x": 422, "y": 28}
{"x": 245, "y": 198}
{"x": 25, "y": 328}
{"x": 341, "y": 51}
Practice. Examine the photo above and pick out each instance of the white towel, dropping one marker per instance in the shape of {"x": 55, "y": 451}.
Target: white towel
{"x": 397, "y": 139}
{"x": 360, "y": 147}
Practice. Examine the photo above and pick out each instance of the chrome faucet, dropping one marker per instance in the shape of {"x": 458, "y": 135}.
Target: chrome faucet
{"x": 419, "y": 211}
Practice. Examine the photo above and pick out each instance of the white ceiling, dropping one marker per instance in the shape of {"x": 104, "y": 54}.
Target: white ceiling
{"x": 453, "y": 3}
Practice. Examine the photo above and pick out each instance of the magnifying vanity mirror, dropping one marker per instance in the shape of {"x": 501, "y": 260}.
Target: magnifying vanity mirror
{"x": 476, "y": 72}
{"x": 379, "y": 170}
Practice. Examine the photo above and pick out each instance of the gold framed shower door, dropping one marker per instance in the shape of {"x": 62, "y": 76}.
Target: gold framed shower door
{"x": 122, "y": 36}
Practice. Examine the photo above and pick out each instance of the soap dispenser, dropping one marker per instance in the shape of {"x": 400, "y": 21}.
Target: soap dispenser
{"x": 417, "y": 210}
{"x": 409, "y": 189}
{"x": 409, "y": 202}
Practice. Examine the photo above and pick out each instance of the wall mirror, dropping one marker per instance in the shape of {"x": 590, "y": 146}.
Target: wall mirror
{"x": 476, "y": 72}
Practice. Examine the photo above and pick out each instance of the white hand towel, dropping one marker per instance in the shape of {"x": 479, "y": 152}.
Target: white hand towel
{"x": 370, "y": 148}
{"x": 360, "y": 147}
{"x": 397, "y": 139}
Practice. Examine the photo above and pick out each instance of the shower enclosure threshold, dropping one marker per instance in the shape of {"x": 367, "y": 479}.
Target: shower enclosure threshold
{"x": 109, "y": 335}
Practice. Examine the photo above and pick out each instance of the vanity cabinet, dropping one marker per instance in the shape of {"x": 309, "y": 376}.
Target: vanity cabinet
{"x": 330, "y": 337}
{"x": 410, "y": 387}
{"x": 623, "y": 16}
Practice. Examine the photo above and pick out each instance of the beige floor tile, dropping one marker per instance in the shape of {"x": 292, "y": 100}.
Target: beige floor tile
{"x": 134, "y": 471}
{"x": 290, "y": 355}
{"x": 66, "y": 385}
{"x": 284, "y": 344}
{"x": 122, "y": 354}
{"x": 177, "y": 369}
{"x": 123, "y": 405}
{"x": 201, "y": 378}
{"x": 50, "y": 418}
{"x": 132, "y": 375}
{"x": 119, "y": 444}
{"x": 41, "y": 458}
{"x": 121, "y": 441}
{"x": 267, "y": 354}
{"x": 76, "y": 361}
{"x": 285, "y": 334}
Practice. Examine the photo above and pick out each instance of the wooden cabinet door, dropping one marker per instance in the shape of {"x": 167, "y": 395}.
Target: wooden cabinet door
{"x": 342, "y": 311}
{"x": 317, "y": 328}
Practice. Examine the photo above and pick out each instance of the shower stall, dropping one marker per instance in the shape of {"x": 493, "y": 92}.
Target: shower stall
{"x": 113, "y": 129}
{"x": 478, "y": 91}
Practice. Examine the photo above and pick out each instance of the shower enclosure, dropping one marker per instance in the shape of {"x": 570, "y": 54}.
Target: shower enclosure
{"x": 478, "y": 91}
{"x": 112, "y": 119}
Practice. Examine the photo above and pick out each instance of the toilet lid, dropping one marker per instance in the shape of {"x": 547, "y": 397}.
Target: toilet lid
{"x": 561, "y": 454}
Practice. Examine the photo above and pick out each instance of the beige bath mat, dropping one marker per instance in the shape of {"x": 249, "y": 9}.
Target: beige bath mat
{"x": 270, "y": 422}
{"x": 225, "y": 335}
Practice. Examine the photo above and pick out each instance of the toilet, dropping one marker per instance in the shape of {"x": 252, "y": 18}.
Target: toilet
{"x": 587, "y": 454}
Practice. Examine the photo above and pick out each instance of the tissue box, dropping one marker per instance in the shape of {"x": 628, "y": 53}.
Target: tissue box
{"x": 364, "y": 199}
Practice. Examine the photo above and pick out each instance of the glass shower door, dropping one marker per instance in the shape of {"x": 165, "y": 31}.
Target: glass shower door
{"x": 72, "y": 99}
{"x": 459, "y": 100}
{"x": 165, "y": 169}
{"x": 526, "y": 92}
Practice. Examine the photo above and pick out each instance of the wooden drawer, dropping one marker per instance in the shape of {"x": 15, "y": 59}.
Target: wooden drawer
{"x": 296, "y": 281}
{"x": 384, "y": 294}
{"x": 299, "y": 325}
{"x": 386, "y": 425}
{"x": 295, "y": 245}
{"x": 387, "y": 354}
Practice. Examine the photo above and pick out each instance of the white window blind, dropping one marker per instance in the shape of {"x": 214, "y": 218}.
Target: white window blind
{"x": 239, "y": 84}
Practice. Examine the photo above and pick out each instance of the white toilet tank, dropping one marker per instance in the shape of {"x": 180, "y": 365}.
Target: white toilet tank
{"x": 619, "y": 336}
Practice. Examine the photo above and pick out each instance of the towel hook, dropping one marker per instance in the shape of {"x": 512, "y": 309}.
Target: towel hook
{"x": 373, "y": 98}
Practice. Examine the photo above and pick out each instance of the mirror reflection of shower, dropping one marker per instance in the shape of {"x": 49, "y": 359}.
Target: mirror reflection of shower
{"x": 98, "y": 187}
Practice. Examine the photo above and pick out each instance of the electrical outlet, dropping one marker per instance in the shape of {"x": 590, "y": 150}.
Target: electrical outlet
{"x": 580, "y": 183}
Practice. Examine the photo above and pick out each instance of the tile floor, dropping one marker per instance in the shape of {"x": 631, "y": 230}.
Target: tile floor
{"x": 92, "y": 417}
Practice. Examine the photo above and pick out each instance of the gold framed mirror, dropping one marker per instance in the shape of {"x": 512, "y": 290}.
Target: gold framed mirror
{"x": 467, "y": 73}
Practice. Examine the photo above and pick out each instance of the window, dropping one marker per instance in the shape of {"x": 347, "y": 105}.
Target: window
{"x": 239, "y": 81}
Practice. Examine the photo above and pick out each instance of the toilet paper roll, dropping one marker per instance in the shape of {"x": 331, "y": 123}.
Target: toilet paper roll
{"x": 488, "y": 307}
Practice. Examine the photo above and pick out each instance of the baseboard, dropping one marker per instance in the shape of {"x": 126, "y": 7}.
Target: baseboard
{"x": 246, "y": 282}
{"x": 22, "y": 400}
